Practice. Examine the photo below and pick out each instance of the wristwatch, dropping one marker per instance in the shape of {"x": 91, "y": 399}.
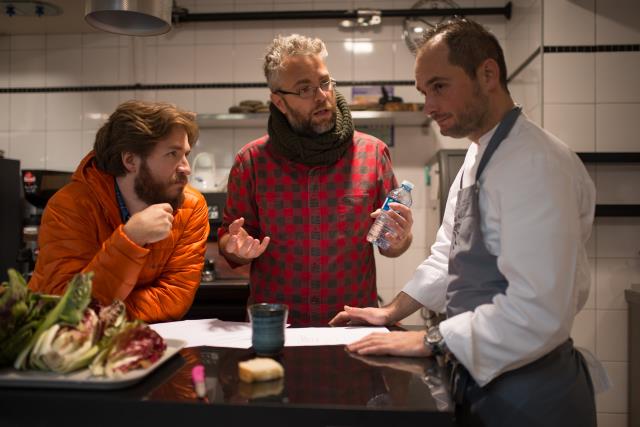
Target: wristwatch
{"x": 434, "y": 342}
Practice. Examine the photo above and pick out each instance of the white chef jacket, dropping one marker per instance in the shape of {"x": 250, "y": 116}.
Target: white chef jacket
{"x": 537, "y": 205}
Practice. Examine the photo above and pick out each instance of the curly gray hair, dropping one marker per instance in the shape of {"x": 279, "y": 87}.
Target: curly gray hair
{"x": 284, "y": 46}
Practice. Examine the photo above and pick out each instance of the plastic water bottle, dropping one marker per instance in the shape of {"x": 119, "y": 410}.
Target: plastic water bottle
{"x": 380, "y": 228}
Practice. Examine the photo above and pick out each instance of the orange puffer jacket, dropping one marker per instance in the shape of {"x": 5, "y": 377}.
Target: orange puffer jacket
{"x": 81, "y": 231}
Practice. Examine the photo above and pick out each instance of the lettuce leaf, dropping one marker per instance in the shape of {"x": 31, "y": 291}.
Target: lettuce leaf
{"x": 69, "y": 310}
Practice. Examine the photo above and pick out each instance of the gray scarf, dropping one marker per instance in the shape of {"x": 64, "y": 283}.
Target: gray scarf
{"x": 321, "y": 150}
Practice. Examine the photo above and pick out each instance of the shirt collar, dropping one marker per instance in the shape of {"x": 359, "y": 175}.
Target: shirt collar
{"x": 124, "y": 212}
{"x": 484, "y": 139}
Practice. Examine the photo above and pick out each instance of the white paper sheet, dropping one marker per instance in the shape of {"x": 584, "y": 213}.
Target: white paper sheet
{"x": 218, "y": 333}
{"x": 296, "y": 337}
{"x": 207, "y": 332}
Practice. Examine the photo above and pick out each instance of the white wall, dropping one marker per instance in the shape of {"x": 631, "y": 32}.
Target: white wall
{"x": 591, "y": 100}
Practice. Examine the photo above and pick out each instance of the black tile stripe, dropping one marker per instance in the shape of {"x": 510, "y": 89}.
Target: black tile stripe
{"x": 171, "y": 86}
{"x": 593, "y": 48}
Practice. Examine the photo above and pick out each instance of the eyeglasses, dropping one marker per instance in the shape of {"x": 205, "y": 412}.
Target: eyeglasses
{"x": 307, "y": 92}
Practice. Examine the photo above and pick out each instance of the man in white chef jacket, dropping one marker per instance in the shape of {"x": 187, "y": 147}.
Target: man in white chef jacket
{"x": 509, "y": 266}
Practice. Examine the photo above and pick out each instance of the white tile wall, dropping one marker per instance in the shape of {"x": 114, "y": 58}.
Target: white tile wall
{"x": 213, "y": 32}
{"x": 208, "y": 66}
{"x": 63, "y": 41}
{"x": 176, "y": 64}
{"x": 180, "y": 35}
{"x": 64, "y": 150}
{"x": 618, "y": 237}
{"x": 100, "y": 65}
{"x": 5, "y": 67}
{"x": 617, "y": 77}
{"x": 569, "y": 22}
{"x": 614, "y": 127}
{"x": 5, "y": 42}
{"x": 27, "y": 68}
{"x": 561, "y": 120}
{"x": 28, "y": 42}
{"x": 213, "y": 100}
{"x": 374, "y": 65}
{"x": 27, "y": 111}
{"x": 88, "y": 138}
{"x": 618, "y": 183}
{"x": 4, "y": 142}
{"x": 185, "y": 98}
{"x": 340, "y": 61}
{"x": 584, "y": 330}
{"x": 64, "y": 111}
{"x": 617, "y": 22}
{"x": 29, "y": 147}
{"x": 611, "y": 335}
{"x": 97, "y": 107}
{"x": 612, "y": 420}
{"x": 591, "y": 300}
{"x": 4, "y": 112}
{"x": 614, "y": 400}
{"x": 63, "y": 66}
{"x": 613, "y": 276}
{"x": 247, "y": 63}
{"x": 569, "y": 78}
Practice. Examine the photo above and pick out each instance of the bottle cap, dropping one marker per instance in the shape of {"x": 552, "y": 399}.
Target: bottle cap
{"x": 407, "y": 184}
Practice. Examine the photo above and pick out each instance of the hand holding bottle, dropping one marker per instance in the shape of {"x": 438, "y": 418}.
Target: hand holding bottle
{"x": 394, "y": 219}
{"x": 398, "y": 223}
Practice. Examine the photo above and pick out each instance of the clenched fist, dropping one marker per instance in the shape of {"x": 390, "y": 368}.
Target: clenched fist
{"x": 150, "y": 225}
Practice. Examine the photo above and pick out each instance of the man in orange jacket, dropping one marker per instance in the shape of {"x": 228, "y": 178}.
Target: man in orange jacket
{"x": 129, "y": 216}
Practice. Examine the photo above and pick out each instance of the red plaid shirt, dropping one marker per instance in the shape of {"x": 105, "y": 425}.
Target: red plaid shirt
{"x": 318, "y": 259}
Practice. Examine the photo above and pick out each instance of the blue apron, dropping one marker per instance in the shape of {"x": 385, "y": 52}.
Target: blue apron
{"x": 554, "y": 390}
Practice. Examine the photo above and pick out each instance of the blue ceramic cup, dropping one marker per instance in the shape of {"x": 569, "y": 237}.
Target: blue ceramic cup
{"x": 268, "y": 322}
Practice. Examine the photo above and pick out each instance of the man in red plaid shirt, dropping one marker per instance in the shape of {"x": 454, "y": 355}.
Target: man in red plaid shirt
{"x": 300, "y": 199}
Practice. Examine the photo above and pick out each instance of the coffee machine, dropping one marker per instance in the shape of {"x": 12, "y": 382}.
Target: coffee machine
{"x": 39, "y": 186}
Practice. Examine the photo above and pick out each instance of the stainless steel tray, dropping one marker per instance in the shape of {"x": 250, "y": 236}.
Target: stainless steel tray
{"x": 83, "y": 379}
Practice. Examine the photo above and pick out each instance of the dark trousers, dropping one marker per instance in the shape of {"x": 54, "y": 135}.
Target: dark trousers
{"x": 555, "y": 390}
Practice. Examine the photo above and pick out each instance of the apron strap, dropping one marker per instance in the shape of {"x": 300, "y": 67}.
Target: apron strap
{"x": 501, "y": 133}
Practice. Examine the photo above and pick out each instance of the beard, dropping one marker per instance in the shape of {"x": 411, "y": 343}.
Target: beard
{"x": 152, "y": 191}
{"x": 472, "y": 118}
{"x": 304, "y": 125}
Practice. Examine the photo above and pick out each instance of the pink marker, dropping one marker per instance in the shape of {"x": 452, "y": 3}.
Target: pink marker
{"x": 197, "y": 375}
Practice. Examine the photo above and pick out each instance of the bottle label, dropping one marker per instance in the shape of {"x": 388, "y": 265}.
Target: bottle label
{"x": 385, "y": 205}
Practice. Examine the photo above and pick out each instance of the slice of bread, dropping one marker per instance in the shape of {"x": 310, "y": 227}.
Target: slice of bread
{"x": 259, "y": 369}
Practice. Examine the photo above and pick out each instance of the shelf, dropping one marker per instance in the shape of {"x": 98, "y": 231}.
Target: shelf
{"x": 621, "y": 210}
{"x": 610, "y": 157}
{"x": 617, "y": 210}
{"x": 389, "y": 118}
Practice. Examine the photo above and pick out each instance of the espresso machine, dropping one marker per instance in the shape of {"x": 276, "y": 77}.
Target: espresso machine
{"x": 39, "y": 186}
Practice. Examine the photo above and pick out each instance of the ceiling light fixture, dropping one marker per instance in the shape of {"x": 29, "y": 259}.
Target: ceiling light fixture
{"x": 414, "y": 27}
{"x": 364, "y": 18}
{"x": 130, "y": 17}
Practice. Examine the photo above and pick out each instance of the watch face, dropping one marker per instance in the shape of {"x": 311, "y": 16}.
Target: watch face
{"x": 433, "y": 335}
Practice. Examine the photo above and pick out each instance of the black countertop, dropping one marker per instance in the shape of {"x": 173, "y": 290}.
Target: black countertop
{"x": 323, "y": 386}
{"x": 224, "y": 299}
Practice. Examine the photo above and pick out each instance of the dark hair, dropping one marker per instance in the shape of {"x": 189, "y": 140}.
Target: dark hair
{"x": 136, "y": 127}
{"x": 469, "y": 45}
